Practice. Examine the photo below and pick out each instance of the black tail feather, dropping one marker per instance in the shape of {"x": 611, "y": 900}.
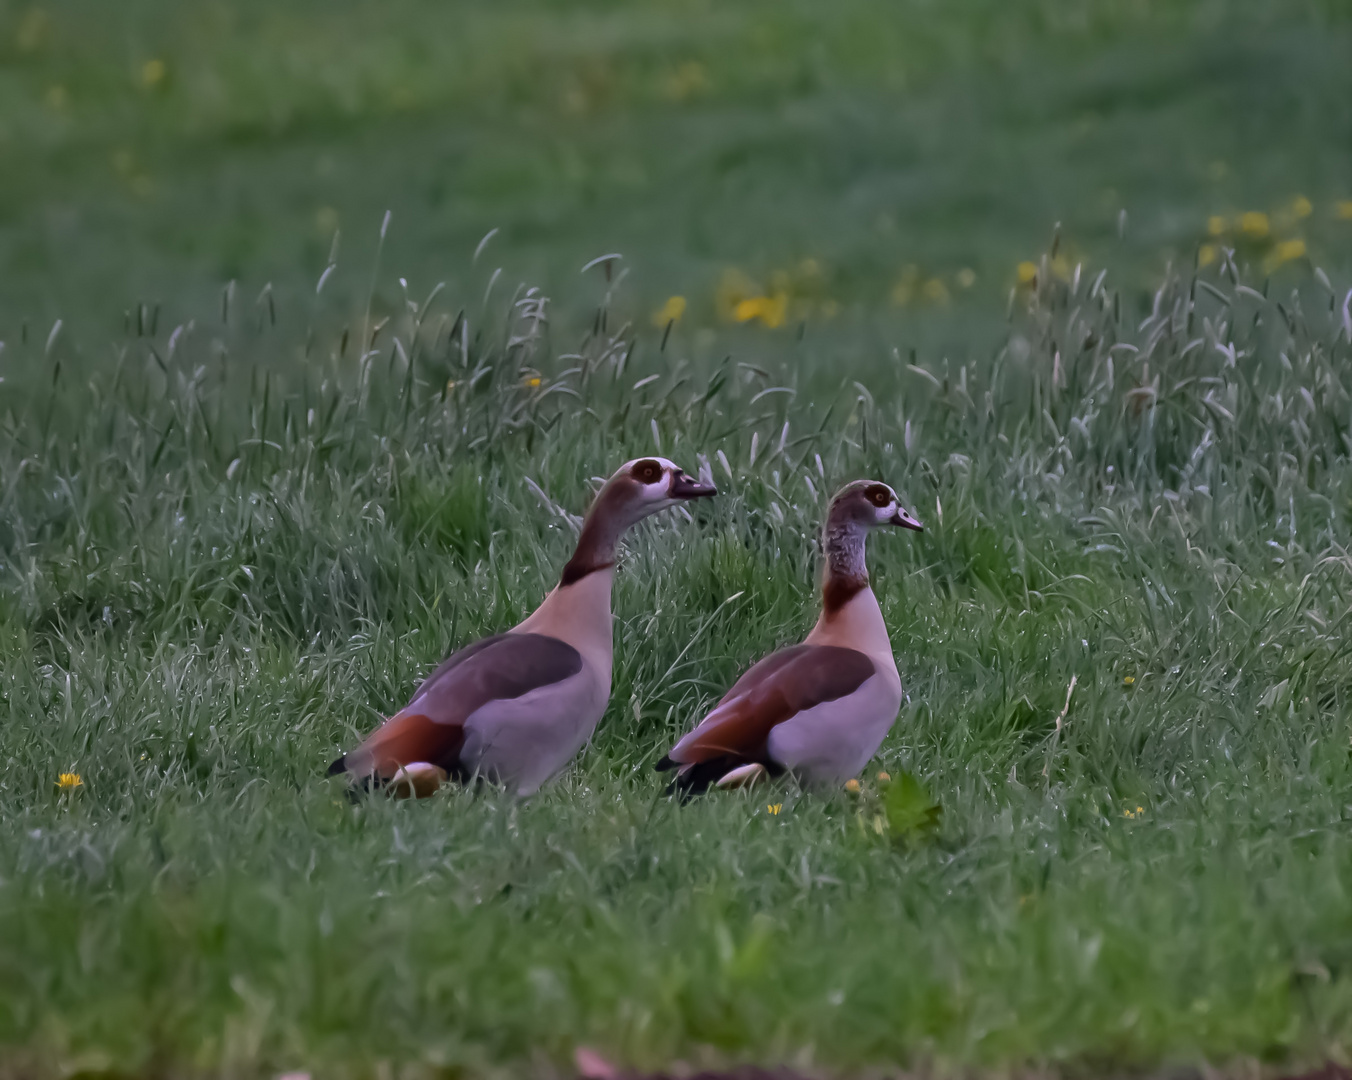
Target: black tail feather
{"x": 698, "y": 778}
{"x": 339, "y": 766}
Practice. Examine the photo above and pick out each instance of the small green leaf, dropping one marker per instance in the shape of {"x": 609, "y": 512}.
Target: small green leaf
{"x": 911, "y": 812}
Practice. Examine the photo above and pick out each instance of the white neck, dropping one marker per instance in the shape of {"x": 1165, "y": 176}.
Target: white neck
{"x": 580, "y": 615}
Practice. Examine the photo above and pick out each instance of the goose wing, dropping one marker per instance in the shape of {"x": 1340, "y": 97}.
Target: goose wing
{"x": 431, "y": 727}
{"x": 737, "y": 731}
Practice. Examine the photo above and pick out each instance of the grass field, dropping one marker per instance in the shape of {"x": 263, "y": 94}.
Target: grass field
{"x": 239, "y": 522}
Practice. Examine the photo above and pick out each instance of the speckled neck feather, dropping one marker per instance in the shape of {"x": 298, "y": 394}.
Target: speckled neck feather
{"x": 846, "y": 570}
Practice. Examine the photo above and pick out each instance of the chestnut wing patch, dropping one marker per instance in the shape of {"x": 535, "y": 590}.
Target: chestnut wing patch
{"x": 779, "y": 687}
{"x": 431, "y": 727}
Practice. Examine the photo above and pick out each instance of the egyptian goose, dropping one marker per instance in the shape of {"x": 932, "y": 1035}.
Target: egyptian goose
{"x": 516, "y": 707}
{"x": 818, "y": 710}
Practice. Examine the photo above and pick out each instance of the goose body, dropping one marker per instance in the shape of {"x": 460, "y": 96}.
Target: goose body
{"x": 517, "y": 707}
{"x": 821, "y": 709}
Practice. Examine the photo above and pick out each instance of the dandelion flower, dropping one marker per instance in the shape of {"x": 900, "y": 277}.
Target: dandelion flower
{"x": 884, "y": 777}
{"x": 669, "y": 312}
{"x": 532, "y": 382}
{"x": 852, "y": 786}
{"x": 777, "y": 308}
{"x": 1284, "y": 253}
{"x": 69, "y": 781}
{"x": 774, "y": 808}
{"x": 1216, "y": 225}
{"x": 1027, "y": 272}
{"x": 733, "y": 288}
{"x": 748, "y": 309}
{"x": 904, "y": 291}
{"x": 32, "y": 30}
{"x": 936, "y": 292}
{"x": 1254, "y": 223}
{"x": 1128, "y": 680}
{"x": 686, "y": 81}
{"x": 770, "y": 310}
{"x": 1302, "y": 207}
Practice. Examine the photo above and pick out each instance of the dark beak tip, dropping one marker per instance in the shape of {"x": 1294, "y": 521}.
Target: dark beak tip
{"x": 688, "y": 488}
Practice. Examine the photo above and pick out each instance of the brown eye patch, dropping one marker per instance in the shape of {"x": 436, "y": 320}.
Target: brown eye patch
{"x": 646, "y": 471}
{"x": 879, "y": 495}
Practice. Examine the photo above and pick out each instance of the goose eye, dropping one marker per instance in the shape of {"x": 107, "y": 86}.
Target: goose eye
{"x": 647, "y": 472}
{"x": 880, "y": 497}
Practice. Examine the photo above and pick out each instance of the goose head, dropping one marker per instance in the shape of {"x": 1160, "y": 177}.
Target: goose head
{"x": 646, "y": 486}
{"x": 870, "y": 504}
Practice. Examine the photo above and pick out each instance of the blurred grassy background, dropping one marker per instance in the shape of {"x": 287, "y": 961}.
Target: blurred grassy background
{"x": 915, "y": 152}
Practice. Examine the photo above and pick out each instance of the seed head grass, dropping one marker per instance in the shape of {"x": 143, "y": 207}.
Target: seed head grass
{"x": 1110, "y": 823}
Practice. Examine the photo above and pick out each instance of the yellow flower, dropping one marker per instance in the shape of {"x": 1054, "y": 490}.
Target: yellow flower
{"x": 69, "y": 781}
{"x": 1027, "y": 272}
{"x": 852, "y": 786}
{"x": 1216, "y": 225}
{"x": 771, "y": 310}
{"x": 1284, "y": 253}
{"x": 686, "y": 80}
{"x": 32, "y": 30}
{"x": 775, "y": 808}
{"x": 966, "y": 278}
{"x": 884, "y": 778}
{"x": 1206, "y": 255}
{"x": 532, "y": 382}
{"x": 1140, "y": 809}
{"x": 936, "y": 292}
{"x": 776, "y": 310}
{"x": 1254, "y": 222}
{"x": 1129, "y": 680}
{"x": 1302, "y": 207}
{"x": 153, "y": 72}
{"x": 748, "y": 309}
{"x": 1128, "y": 814}
{"x": 1344, "y": 209}
{"x": 733, "y": 287}
{"x": 669, "y": 312}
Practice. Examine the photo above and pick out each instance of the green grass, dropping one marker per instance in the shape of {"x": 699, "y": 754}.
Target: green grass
{"x": 232, "y": 538}
{"x": 224, "y": 561}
